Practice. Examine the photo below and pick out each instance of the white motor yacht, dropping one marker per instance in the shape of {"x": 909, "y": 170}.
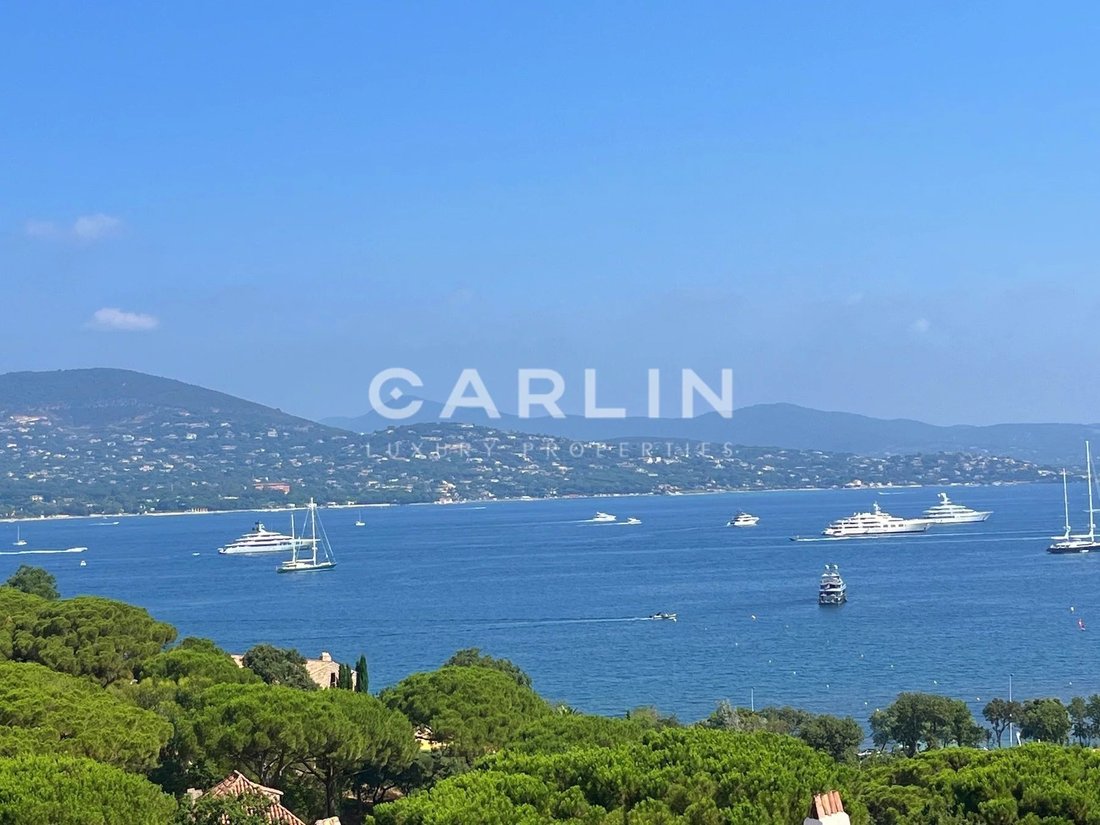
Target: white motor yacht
{"x": 832, "y": 589}
{"x": 874, "y": 523}
{"x": 947, "y": 512}
{"x": 261, "y": 540}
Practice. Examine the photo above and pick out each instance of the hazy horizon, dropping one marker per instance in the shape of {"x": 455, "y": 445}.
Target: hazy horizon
{"x": 869, "y": 209}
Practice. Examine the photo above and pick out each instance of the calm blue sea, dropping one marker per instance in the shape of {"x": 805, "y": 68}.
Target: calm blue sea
{"x": 954, "y": 611}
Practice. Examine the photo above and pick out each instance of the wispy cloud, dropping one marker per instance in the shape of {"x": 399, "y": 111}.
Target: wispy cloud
{"x": 86, "y": 228}
{"x": 94, "y": 227}
{"x": 921, "y": 326}
{"x": 113, "y": 319}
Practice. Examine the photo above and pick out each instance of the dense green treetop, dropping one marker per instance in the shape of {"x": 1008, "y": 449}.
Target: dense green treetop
{"x": 1081, "y": 725}
{"x": 42, "y": 711}
{"x": 65, "y": 790}
{"x": 279, "y": 666}
{"x": 171, "y": 684}
{"x": 34, "y": 580}
{"x": 670, "y": 776}
{"x": 473, "y": 657}
{"x": 16, "y": 610}
{"x": 198, "y": 662}
{"x": 652, "y": 717}
{"x": 924, "y": 721}
{"x": 173, "y": 680}
{"x": 350, "y": 733}
{"x": 260, "y": 729}
{"x": 558, "y": 733}
{"x": 272, "y": 731}
{"x": 1045, "y": 720}
{"x": 726, "y": 717}
{"x": 472, "y": 709}
{"x": 1000, "y": 714}
{"x": 1035, "y": 784}
{"x": 839, "y": 737}
{"x": 89, "y": 636}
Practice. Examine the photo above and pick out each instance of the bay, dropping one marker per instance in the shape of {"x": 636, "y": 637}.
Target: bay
{"x": 954, "y": 611}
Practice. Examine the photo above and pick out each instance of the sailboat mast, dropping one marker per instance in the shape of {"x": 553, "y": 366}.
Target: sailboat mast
{"x": 313, "y": 527}
{"x": 293, "y": 539}
{"x": 1088, "y": 470}
{"x": 1065, "y": 498}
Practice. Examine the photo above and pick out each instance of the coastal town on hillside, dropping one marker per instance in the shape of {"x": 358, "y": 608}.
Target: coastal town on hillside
{"x": 175, "y": 460}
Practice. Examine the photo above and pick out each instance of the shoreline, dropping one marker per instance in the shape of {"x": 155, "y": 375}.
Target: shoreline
{"x": 504, "y": 499}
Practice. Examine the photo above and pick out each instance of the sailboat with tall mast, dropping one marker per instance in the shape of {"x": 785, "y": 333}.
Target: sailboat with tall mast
{"x": 1081, "y": 542}
{"x": 319, "y": 554}
{"x": 1065, "y": 501}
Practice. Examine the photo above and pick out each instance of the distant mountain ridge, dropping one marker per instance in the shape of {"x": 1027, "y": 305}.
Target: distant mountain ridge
{"x": 103, "y": 396}
{"x": 792, "y": 427}
{"x": 106, "y": 396}
{"x": 104, "y": 440}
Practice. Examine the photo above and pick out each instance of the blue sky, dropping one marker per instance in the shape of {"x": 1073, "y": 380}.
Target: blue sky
{"x": 868, "y": 207}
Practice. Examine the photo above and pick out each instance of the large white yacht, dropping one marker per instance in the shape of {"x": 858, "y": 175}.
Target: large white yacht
{"x": 947, "y": 512}
{"x": 874, "y": 523}
{"x": 261, "y": 540}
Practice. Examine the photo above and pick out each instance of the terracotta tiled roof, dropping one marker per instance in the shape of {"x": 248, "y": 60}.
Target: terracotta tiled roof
{"x": 237, "y": 784}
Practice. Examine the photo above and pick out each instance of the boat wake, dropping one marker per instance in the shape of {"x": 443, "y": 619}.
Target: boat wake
{"x": 41, "y": 552}
{"x": 600, "y": 518}
{"x": 579, "y": 620}
{"x": 829, "y": 538}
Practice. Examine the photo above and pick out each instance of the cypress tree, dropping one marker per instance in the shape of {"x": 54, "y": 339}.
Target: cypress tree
{"x": 343, "y": 679}
{"x": 361, "y": 683}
